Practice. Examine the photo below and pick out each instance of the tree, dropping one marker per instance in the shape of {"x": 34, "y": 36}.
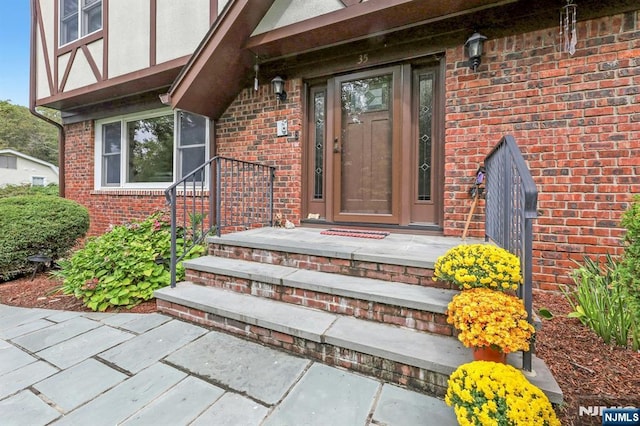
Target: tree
{"x": 23, "y": 132}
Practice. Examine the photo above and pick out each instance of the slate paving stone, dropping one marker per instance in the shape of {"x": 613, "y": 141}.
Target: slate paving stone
{"x": 62, "y": 316}
{"x": 262, "y": 373}
{"x": 126, "y": 399}
{"x": 60, "y": 332}
{"x": 24, "y": 377}
{"x": 12, "y": 358}
{"x": 401, "y": 407}
{"x": 145, "y": 323}
{"x": 119, "y": 319}
{"x": 81, "y": 383}
{"x": 25, "y": 408}
{"x": 326, "y": 396}
{"x": 178, "y": 406}
{"x": 72, "y": 351}
{"x": 25, "y": 328}
{"x": 233, "y": 409}
{"x": 147, "y": 348}
{"x": 13, "y": 317}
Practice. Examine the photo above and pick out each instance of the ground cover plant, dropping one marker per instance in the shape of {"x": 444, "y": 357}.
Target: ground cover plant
{"x": 606, "y": 297}
{"x": 124, "y": 266}
{"x": 37, "y": 224}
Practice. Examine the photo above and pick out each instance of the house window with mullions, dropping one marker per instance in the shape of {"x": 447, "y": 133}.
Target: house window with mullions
{"x": 79, "y": 18}
{"x": 149, "y": 150}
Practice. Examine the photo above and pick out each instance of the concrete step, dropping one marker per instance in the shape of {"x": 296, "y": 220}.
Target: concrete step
{"x": 408, "y": 305}
{"x": 398, "y": 257}
{"x": 419, "y": 360}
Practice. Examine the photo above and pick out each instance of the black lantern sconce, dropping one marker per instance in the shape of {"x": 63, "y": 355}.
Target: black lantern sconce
{"x": 278, "y": 88}
{"x": 474, "y": 49}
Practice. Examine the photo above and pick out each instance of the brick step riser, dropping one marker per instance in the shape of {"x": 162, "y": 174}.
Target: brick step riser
{"x": 355, "y": 268}
{"x": 416, "y": 378}
{"x": 380, "y": 312}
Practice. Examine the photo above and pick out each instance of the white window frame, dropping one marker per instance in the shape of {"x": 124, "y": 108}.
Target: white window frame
{"x": 44, "y": 180}
{"x": 124, "y": 150}
{"x": 5, "y": 164}
{"x": 81, "y": 17}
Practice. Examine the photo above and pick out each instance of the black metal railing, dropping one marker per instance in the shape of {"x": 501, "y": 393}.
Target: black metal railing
{"x": 243, "y": 199}
{"x": 511, "y": 200}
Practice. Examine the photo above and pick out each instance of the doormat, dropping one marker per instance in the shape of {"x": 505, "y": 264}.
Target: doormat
{"x": 376, "y": 235}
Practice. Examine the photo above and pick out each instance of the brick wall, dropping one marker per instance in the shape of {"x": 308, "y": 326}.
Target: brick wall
{"x": 576, "y": 118}
{"x": 247, "y": 131}
{"x": 577, "y": 121}
{"x": 105, "y": 208}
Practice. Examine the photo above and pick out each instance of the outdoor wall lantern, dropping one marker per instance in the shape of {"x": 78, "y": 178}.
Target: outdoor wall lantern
{"x": 474, "y": 49}
{"x": 278, "y": 88}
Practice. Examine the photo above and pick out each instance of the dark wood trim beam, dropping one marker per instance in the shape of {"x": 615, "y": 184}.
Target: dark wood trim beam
{"x": 56, "y": 35}
{"x": 45, "y": 48}
{"x": 363, "y": 20}
{"x": 153, "y": 33}
{"x": 67, "y": 70}
{"x": 213, "y": 11}
{"x": 105, "y": 40}
{"x": 122, "y": 86}
{"x": 88, "y": 39}
{"x": 92, "y": 63}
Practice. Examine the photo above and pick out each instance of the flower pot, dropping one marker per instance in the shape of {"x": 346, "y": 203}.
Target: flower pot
{"x": 487, "y": 353}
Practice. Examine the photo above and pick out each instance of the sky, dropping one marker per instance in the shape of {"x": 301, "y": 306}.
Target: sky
{"x": 14, "y": 51}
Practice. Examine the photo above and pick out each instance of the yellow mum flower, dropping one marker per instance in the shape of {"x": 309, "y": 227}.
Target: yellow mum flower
{"x": 501, "y": 396}
{"x": 486, "y": 317}
{"x": 479, "y": 265}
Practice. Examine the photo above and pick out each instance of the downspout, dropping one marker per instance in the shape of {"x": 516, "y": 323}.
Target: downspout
{"x": 32, "y": 101}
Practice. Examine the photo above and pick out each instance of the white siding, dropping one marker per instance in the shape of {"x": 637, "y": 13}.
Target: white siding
{"x": 180, "y": 27}
{"x": 129, "y": 40}
{"x": 287, "y": 12}
{"x": 26, "y": 169}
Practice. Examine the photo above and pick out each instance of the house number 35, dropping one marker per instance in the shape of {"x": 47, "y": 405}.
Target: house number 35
{"x": 363, "y": 59}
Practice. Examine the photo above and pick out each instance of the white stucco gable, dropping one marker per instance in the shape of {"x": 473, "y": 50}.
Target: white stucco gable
{"x": 287, "y": 12}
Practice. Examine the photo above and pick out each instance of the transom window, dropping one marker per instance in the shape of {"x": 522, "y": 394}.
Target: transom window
{"x": 149, "y": 150}
{"x": 79, "y": 18}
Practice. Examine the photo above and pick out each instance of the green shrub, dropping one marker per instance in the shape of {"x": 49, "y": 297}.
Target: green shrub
{"x": 600, "y": 302}
{"x": 37, "y": 224}
{"x": 124, "y": 266}
{"x": 630, "y": 263}
{"x": 15, "y": 190}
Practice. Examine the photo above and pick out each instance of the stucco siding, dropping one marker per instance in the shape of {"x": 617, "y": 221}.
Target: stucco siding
{"x": 129, "y": 41}
{"x": 80, "y": 74}
{"x": 287, "y": 12}
{"x": 180, "y": 27}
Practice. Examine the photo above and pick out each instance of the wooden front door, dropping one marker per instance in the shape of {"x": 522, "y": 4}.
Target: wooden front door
{"x": 374, "y": 148}
{"x": 366, "y": 143}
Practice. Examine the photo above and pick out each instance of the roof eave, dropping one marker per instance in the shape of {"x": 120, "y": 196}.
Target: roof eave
{"x": 213, "y": 76}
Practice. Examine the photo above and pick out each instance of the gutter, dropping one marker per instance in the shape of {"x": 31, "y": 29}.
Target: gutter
{"x": 32, "y": 102}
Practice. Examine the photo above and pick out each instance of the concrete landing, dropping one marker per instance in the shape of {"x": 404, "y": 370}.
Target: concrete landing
{"x": 399, "y": 249}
